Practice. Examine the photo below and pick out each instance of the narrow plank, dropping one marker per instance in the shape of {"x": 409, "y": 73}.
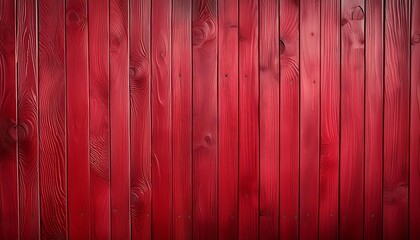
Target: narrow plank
{"x": 52, "y": 120}
{"x": 414, "y": 208}
{"x": 374, "y": 122}
{"x": 289, "y": 118}
{"x": 27, "y": 57}
{"x": 182, "y": 119}
{"x": 204, "y": 44}
{"x": 396, "y": 119}
{"x": 77, "y": 119}
{"x": 228, "y": 119}
{"x": 248, "y": 120}
{"x": 352, "y": 119}
{"x": 99, "y": 119}
{"x": 330, "y": 119}
{"x": 9, "y": 202}
{"x": 119, "y": 119}
{"x": 310, "y": 117}
{"x": 161, "y": 120}
{"x": 269, "y": 118}
{"x": 140, "y": 112}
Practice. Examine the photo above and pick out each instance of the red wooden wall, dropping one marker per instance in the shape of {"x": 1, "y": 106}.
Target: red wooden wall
{"x": 209, "y": 119}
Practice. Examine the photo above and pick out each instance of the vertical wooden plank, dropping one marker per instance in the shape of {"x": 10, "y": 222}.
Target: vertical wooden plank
{"x": 248, "y": 120}
{"x": 27, "y": 57}
{"x": 9, "y": 209}
{"x": 269, "y": 118}
{"x": 52, "y": 120}
{"x": 119, "y": 119}
{"x": 396, "y": 119}
{"x": 414, "y": 208}
{"x": 228, "y": 119}
{"x": 330, "y": 119}
{"x": 182, "y": 119}
{"x": 204, "y": 44}
{"x": 99, "y": 119}
{"x": 289, "y": 118}
{"x": 161, "y": 120}
{"x": 374, "y": 122}
{"x": 140, "y": 127}
{"x": 77, "y": 119}
{"x": 352, "y": 119}
{"x": 310, "y": 114}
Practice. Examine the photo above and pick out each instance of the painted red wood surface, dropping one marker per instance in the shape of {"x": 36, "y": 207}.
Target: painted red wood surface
{"x": 209, "y": 119}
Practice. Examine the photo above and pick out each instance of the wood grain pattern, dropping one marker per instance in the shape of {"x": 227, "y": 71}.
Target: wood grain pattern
{"x": 269, "y": 119}
{"x": 140, "y": 112}
{"x": 161, "y": 120}
{"x": 248, "y": 121}
{"x": 119, "y": 119}
{"x": 330, "y": 120}
{"x": 205, "y": 140}
{"x": 27, "y": 101}
{"x": 373, "y": 123}
{"x": 228, "y": 119}
{"x": 99, "y": 139}
{"x": 309, "y": 117}
{"x": 396, "y": 119}
{"x": 77, "y": 119}
{"x": 414, "y": 207}
{"x": 9, "y": 202}
{"x": 182, "y": 119}
{"x": 52, "y": 120}
{"x": 289, "y": 119}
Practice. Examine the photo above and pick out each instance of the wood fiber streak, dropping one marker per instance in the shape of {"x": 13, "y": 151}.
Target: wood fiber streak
{"x": 77, "y": 76}
{"x": 373, "y": 122}
{"x": 414, "y": 208}
{"x": 161, "y": 120}
{"x": 396, "y": 119}
{"x": 248, "y": 120}
{"x": 9, "y": 202}
{"x": 99, "y": 119}
{"x": 140, "y": 128}
{"x": 269, "y": 118}
{"x": 228, "y": 119}
{"x": 204, "y": 46}
{"x": 289, "y": 118}
{"x": 52, "y": 120}
{"x": 119, "y": 119}
{"x": 27, "y": 105}
{"x": 352, "y": 119}
{"x": 330, "y": 119}
{"x": 182, "y": 119}
{"x": 310, "y": 117}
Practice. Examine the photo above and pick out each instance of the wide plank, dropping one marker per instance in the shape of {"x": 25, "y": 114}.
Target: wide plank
{"x": 396, "y": 120}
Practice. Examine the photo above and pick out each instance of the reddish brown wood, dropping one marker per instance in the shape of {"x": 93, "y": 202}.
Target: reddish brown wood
{"x": 161, "y": 120}
{"x": 77, "y": 119}
{"x": 140, "y": 117}
{"x": 52, "y": 120}
{"x": 9, "y": 202}
{"x": 204, "y": 44}
{"x": 248, "y": 120}
{"x": 414, "y": 207}
{"x": 373, "y": 122}
{"x": 119, "y": 119}
{"x": 396, "y": 119}
{"x": 309, "y": 117}
{"x": 98, "y": 23}
{"x": 269, "y": 118}
{"x": 330, "y": 119}
{"x": 228, "y": 119}
{"x": 289, "y": 119}
{"x": 182, "y": 119}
